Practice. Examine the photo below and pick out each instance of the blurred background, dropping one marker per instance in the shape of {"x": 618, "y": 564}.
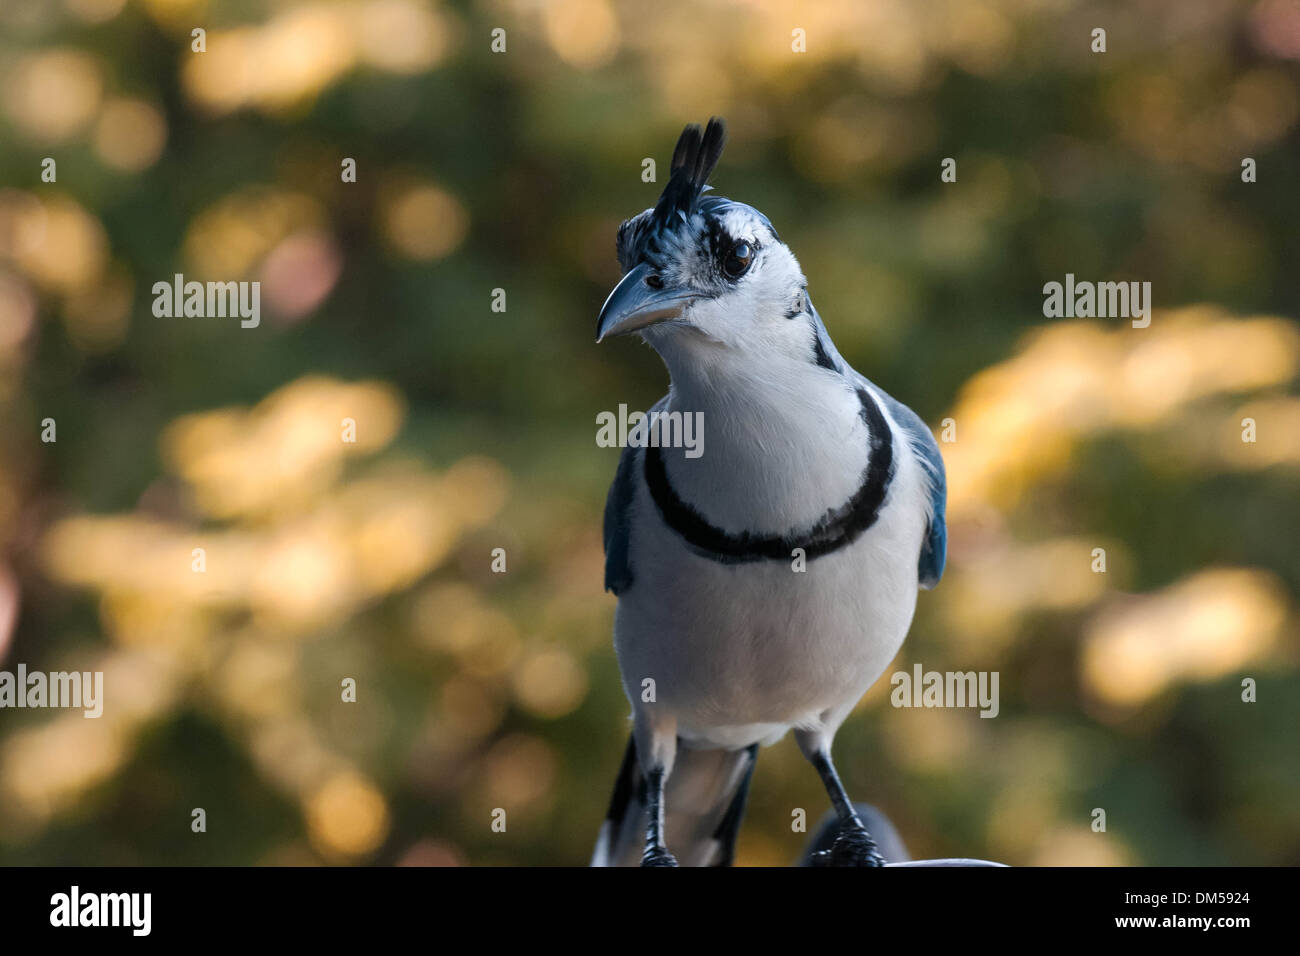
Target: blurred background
{"x": 475, "y": 429}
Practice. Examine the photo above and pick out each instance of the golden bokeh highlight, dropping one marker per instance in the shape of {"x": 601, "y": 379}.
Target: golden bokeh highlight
{"x": 53, "y": 95}
{"x": 347, "y": 817}
{"x": 279, "y": 453}
{"x": 995, "y": 586}
{"x": 549, "y": 683}
{"x": 423, "y": 222}
{"x": 1279, "y": 419}
{"x": 94, "y": 11}
{"x": 130, "y": 134}
{"x": 584, "y": 33}
{"x": 230, "y": 237}
{"x": 276, "y": 66}
{"x": 290, "y": 542}
{"x": 401, "y": 36}
{"x": 1205, "y": 627}
{"x": 1020, "y": 420}
{"x": 47, "y": 769}
{"x": 1077, "y": 845}
{"x": 54, "y": 240}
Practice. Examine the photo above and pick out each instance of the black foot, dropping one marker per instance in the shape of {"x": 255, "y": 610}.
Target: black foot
{"x": 853, "y": 847}
{"x": 657, "y": 856}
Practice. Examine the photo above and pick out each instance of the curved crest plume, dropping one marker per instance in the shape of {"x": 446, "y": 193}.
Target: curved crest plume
{"x": 693, "y": 161}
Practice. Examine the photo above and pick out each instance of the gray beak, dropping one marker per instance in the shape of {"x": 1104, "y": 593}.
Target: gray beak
{"x": 633, "y": 304}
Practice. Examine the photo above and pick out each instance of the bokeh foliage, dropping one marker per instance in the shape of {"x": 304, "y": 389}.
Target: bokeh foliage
{"x": 475, "y": 429}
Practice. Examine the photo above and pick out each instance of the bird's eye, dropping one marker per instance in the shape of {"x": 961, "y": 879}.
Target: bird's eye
{"x": 738, "y": 259}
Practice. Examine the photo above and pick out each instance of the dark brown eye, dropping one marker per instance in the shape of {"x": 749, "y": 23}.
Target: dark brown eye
{"x": 738, "y": 260}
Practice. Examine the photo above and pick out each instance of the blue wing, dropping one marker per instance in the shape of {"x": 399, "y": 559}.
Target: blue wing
{"x": 618, "y": 524}
{"x": 934, "y": 550}
{"x": 618, "y": 517}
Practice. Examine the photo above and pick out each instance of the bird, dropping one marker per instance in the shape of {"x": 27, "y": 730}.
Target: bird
{"x": 766, "y": 580}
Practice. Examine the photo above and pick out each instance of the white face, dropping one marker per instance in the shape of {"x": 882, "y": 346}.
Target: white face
{"x": 750, "y": 294}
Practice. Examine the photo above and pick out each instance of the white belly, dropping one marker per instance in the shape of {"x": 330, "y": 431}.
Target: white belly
{"x": 741, "y": 653}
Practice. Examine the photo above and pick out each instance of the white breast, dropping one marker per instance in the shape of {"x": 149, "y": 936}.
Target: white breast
{"x": 741, "y": 653}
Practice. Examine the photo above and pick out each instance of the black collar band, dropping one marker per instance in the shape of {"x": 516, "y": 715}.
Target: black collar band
{"x": 836, "y": 528}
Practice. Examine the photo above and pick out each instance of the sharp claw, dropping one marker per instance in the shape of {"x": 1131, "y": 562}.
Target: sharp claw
{"x": 853, "y": 847}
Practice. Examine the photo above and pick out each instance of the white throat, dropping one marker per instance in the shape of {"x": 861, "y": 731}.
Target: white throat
{"x": 784, "y": 440}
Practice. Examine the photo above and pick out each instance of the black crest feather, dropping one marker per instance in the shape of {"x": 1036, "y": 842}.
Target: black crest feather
{"x": 693, "y": 161}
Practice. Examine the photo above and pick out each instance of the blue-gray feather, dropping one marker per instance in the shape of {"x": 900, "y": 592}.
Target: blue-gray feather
{"x": 618, "y": 516}
{"x": 618, "y": 524}
{"x": 934, "y": 549}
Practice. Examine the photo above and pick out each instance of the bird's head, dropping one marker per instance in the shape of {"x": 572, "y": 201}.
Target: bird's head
{"x": 703, "y": 273}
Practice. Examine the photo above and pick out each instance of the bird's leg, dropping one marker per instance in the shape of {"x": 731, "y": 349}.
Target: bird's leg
{"x": 656, "y": 853}
{"x": 853, "y": 846}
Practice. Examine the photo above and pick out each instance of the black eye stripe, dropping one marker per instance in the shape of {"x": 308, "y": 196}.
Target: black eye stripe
{"x": 719, "y": 240}
{"x": 700, "y": 247}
